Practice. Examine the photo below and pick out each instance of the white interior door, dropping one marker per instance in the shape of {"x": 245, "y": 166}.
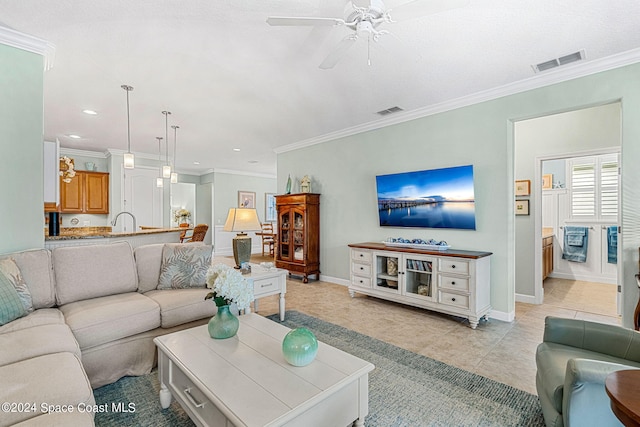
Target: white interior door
{"x": 142, "y": 198}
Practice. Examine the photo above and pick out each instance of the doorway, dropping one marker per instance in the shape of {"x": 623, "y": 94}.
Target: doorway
{"x": 587, "y": 131}
{"x": 581, "y": 193}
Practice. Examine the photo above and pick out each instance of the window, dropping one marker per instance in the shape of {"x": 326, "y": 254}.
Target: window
{"x": 594, "y": 187}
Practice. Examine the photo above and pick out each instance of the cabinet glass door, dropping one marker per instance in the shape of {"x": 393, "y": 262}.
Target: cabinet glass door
{"x": 298, "y": 235}
{"x": 386, "y": 273}
{"x": 284, "y": 236}
{"x": 419, "y": 277}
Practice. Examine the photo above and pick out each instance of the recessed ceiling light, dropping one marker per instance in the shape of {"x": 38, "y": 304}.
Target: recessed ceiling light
{"x": 236, "y": 149}
{"x": 74, "y": 136}
{"x": 90, "y": 112}
{"x": 196, "y": 163}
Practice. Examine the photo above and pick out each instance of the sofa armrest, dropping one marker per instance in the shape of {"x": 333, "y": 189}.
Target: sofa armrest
{"x": 602, "y": 338}
{"x": 585, "y": 400}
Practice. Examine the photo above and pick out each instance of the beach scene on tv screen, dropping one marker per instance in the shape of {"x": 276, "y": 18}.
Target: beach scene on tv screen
{"x": 436, "y": 198}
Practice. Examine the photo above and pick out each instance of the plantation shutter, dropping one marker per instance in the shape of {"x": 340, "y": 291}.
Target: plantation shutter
{"x": 583, "y": 188}
{"x": 609, "y": 189}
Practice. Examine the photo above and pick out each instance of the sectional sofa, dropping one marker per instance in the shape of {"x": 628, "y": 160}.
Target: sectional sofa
{"x": 96, "y": 310}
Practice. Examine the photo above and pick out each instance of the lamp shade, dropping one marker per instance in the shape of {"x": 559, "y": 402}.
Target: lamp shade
{"x": 241, "y": 220}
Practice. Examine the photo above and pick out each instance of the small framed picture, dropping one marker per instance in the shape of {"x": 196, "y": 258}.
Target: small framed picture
{"x": 547, "y": 180}
{"x": 522, "y": 207}
{"x": 523, "y": 187}
{"x": 270, "y": 213}
{"x": 246, "y": 199}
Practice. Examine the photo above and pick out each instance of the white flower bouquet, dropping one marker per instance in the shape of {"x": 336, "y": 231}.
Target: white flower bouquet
{"x": 228, "y": 286}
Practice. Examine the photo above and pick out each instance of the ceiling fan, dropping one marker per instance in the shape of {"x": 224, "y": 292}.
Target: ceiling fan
{"x": 364, "y": 20}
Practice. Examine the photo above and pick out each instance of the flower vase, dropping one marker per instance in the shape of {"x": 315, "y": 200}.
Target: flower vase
{"x": 299, "y": 347}
{"x": 224, "y": 324}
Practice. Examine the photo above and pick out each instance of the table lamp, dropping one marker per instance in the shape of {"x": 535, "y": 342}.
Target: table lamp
{"x": 242, "y": 220}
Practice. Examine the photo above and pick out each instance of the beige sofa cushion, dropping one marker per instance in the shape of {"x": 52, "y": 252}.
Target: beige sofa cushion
{"x": 100, "y": 320}
{"x": 178, "y": 306}
{"x": 34, "y": 342}
{"x": 36, "y": 268}
{"x": 148, "y": 262}
{"x": 53, "y": 379}
{"x": 44, "y": 316}
{"x": 84, "y": 272}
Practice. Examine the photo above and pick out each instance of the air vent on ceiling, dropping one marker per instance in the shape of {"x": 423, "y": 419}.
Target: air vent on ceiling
{"x": 389, "y": 111}
{"x": 556, "y": 62}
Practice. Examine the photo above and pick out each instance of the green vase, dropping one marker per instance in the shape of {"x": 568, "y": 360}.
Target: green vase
{"x": 224, "y": 324}
{"x": 288, "y": 191}
{"x": 300, "y": 347}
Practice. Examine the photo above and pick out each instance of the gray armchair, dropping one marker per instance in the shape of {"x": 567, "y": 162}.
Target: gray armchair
{"x": 572, "y": 363}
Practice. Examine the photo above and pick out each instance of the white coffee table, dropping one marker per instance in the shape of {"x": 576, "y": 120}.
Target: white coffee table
{"x": 245, "y": 380}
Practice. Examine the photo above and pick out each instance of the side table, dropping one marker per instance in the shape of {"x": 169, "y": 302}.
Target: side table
{"x": 268, "y": 282}
{"x": 623, "y": 388}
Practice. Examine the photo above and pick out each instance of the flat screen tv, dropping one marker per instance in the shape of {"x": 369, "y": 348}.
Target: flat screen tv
{"x": 435, "y": 198}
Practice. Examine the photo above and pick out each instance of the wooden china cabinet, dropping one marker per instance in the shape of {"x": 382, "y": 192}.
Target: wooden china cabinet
{"x": 299, "y": 234}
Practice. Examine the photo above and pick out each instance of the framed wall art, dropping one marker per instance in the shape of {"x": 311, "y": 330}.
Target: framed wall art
{"x": 547, "y": 180}
{"x": 246, "y": 199}
{"x": 523, "y": 187}
{"x": 522, "y": 207}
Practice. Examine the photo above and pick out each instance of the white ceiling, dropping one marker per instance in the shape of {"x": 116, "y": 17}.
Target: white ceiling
{"x": 232, "y": 81}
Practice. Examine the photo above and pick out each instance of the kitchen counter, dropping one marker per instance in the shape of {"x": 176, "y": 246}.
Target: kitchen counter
{"x": 76, "y": 236}
{"x": 72, "y": 233}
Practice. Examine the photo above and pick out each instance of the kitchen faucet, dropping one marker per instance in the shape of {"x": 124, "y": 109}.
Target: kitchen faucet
{"x": 113, "y": 223}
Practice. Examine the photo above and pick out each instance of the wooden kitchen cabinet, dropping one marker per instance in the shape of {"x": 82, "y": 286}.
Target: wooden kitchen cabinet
{"x": 547, "y": 256}
{"x": 88, "y": 192}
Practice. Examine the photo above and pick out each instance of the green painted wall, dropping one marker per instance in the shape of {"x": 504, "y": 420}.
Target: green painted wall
{"x": 344, "y": 172}
{"x": 21, "y": 136}
{"x": 225, "y": 193}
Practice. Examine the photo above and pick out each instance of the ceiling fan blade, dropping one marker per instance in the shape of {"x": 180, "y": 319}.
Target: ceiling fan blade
{"x": 332, "y": 59}
{"x": 419, "y": 8}
{"x": 360, "y": 3}
{"x": 296, "y": 21}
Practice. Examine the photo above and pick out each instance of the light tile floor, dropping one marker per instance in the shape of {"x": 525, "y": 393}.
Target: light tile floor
{"x": 498, "y": 350}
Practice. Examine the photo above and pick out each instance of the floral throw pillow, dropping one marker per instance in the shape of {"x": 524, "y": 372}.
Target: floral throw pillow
{"x": 11, "y": 307}
{"x": 9, "y": 269}
{"x": 184, "y": 266}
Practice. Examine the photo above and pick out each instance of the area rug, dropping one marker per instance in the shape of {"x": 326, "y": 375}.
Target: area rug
{"x": 405, "y": 389}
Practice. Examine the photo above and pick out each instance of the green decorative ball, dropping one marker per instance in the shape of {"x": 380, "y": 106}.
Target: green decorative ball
{"x": 300, "y": 347}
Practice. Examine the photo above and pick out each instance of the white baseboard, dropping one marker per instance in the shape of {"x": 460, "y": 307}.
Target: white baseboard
{"x": 529, "y": 299}
{"x": 335, "y": 280}
{"x": 503, "y": 316}
{"x": 584, "y": 278}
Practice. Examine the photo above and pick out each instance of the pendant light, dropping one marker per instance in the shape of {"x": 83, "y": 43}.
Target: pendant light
{"x": 166, "y": 169}
{"x": 174, "y": 174}
{"x": 159, "y": 180}
{"x": 129, "y": 160}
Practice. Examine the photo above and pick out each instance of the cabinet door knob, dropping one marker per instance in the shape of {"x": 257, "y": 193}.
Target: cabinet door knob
{"x": 361, "y": 281}
{"x": 361, "y": 268}
{"x": 453, "y": 299}
{"x": 361, "y": 255}
{"x": 453, "y": 283}
{"x": 453, "y": 266}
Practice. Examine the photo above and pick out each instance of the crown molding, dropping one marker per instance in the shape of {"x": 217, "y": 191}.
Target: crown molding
{"x": 83, "y": 153}
{"x": 558, "y": 75}
{"x": 244, "y": 173}
{"x": 13, "y": 38}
